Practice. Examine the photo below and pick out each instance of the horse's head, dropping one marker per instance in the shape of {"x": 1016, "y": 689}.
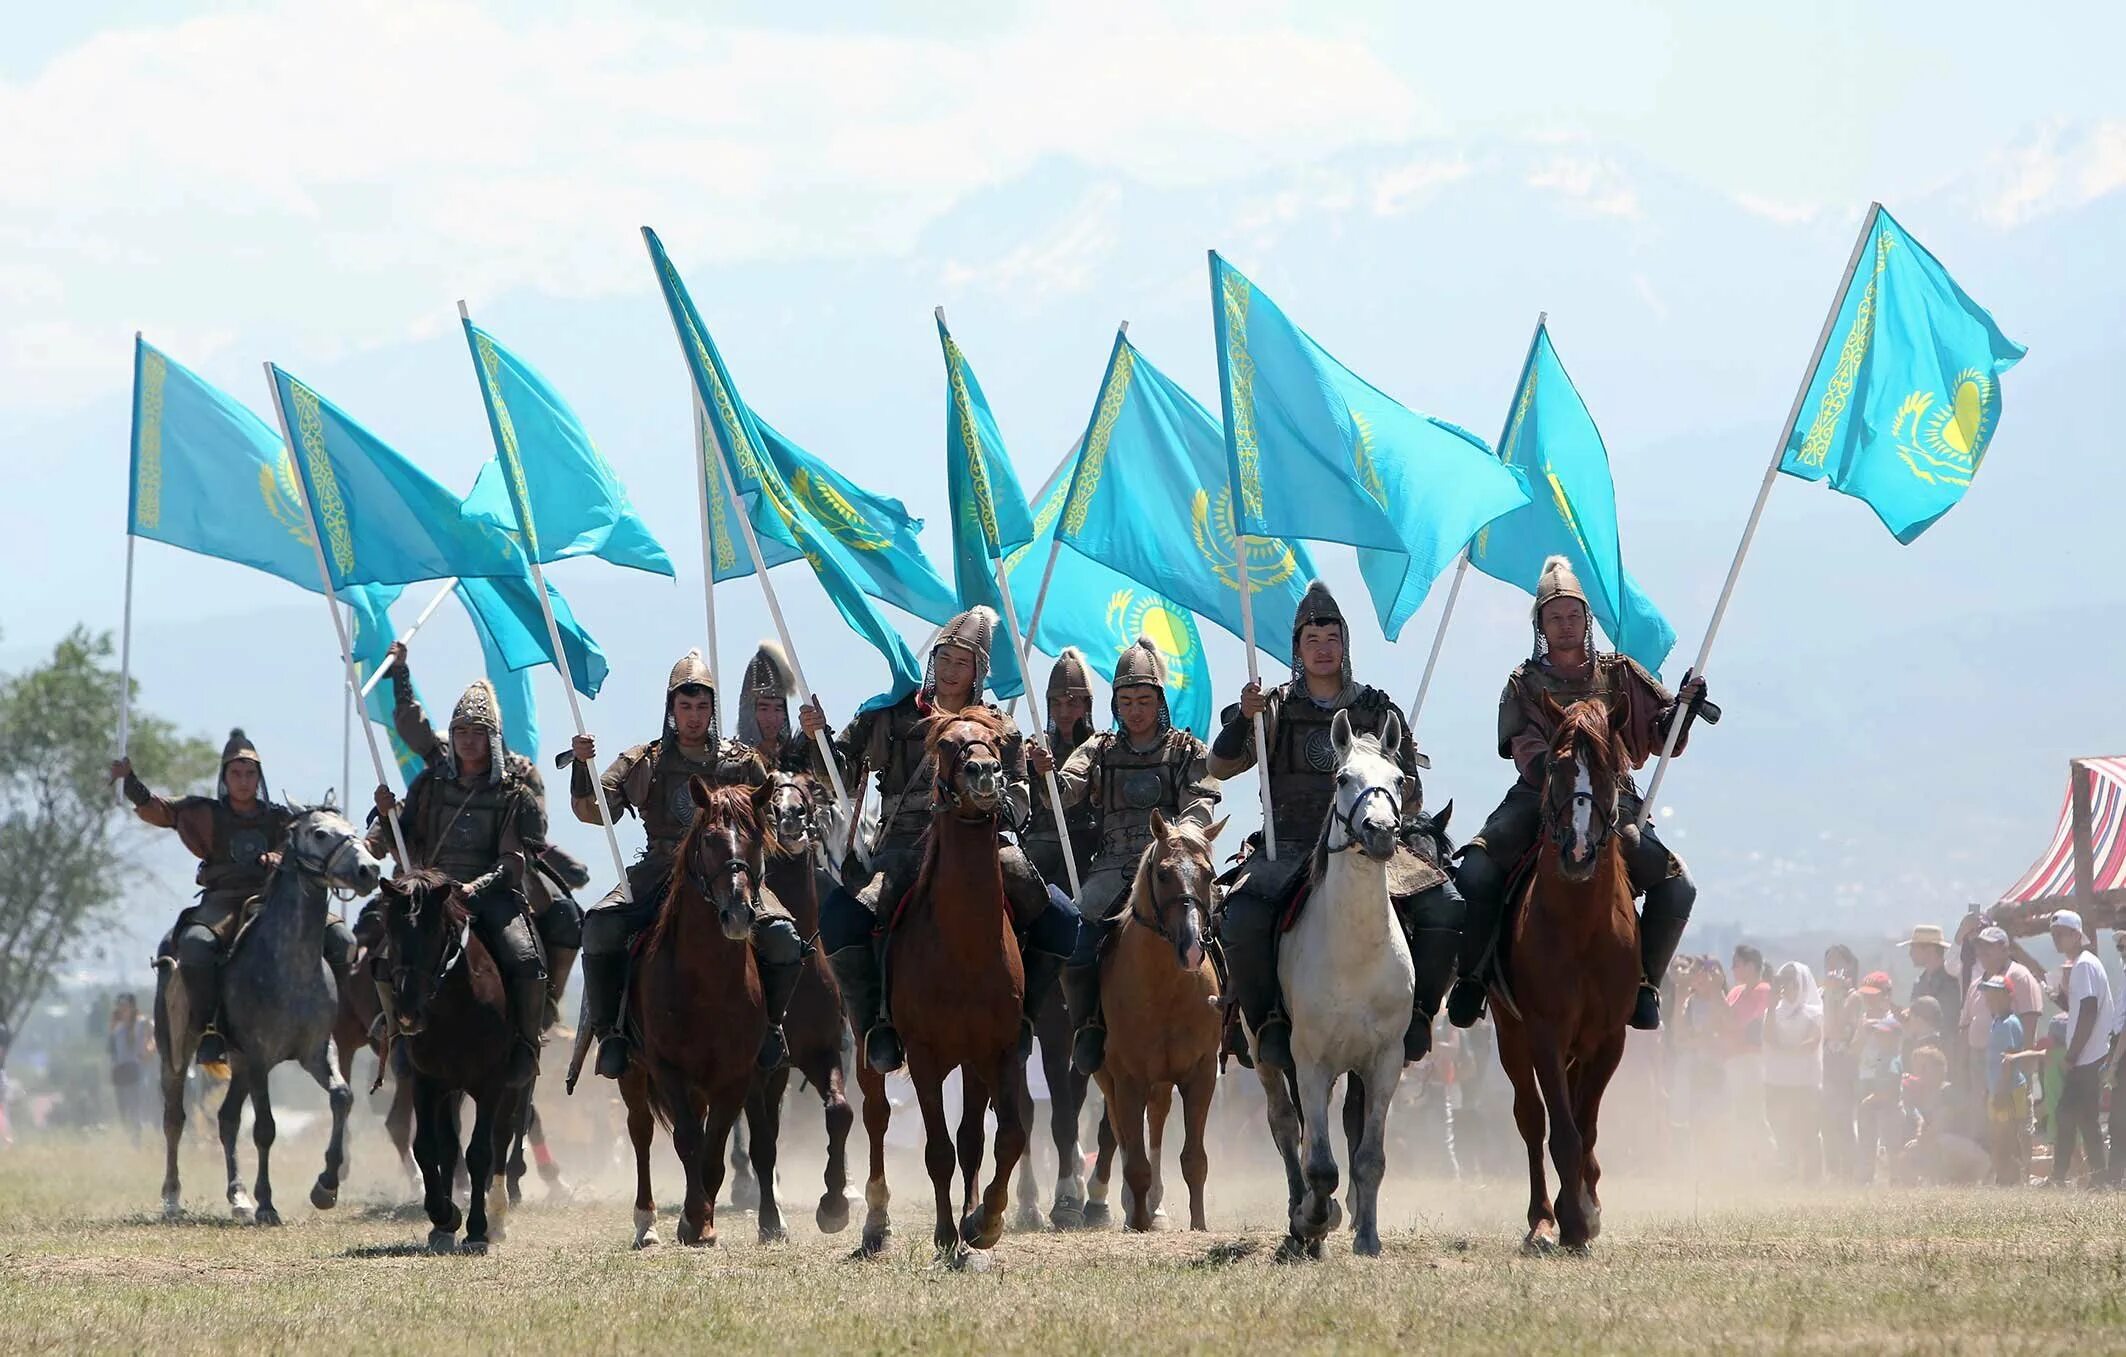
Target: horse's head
{"x": 790, "y": 809}
{"x": 967, "y": 750}
{"x": 322, "y": 844}
{"x": 1175, "y": 886}
{"x": 1426, "y": 833}
{"x": 723, "y": 854}
{"x": 424, "y": 935}
{"x": 1368, "y": 808}
{"x": 1580, "y": 788}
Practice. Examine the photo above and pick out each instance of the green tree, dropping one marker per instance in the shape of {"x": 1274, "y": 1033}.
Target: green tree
{"x": 63, "y": 863}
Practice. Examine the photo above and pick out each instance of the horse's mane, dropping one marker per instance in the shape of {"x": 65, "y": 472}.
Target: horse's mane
{"x": 1585, "y": 725}
{"x": 1318, "y": 861}
{"x": 727, "y": 808}
{"x": 424, "y": 884}
{"x": 994, "y": 724}
{"x": 1192, "y": 836}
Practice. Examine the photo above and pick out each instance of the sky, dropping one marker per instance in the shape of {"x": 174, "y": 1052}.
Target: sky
{"x": 1677, "y": 184}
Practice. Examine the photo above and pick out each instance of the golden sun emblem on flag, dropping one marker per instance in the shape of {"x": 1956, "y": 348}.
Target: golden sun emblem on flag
{"x": 834, "y": 512}
{"x": 276, "y": 485}
{"x": 1943, "y": 441}
{"x": 1270, "y": 562}
{"x": 1131, "y": 614}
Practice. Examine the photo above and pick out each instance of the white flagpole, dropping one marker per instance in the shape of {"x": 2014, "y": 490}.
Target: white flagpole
{"x": 339, "y": 624}
{"x": 1262, "y": 744}
{"x": 1764, "y": 492}
{"x": 708, "y": 546}
{"x": 347, "y": 715}
{"x": 1048, "y": 573}
{"x": 369, "y": 684}
{"x": 125, "y": 658}
{"x": 1461, "y": 567}
{"x": 568, "y": 679}
{"x": 1055, "y": 789}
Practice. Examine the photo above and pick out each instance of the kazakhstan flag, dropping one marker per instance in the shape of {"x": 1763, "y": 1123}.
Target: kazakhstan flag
{"x": 989, "y": 518}
{"x": 1551, "y": 442}
{"x": 513, "y": 642}
{"x": 1316, "y": 452}
{"x": 1103, "y": 612}
{"x": 548, "y": 483}
{"x": 1906, "y": 394}
{"x": 760, "y": 491}
{"x": 369, "y": 609}
{"x": 1153, "y": 458}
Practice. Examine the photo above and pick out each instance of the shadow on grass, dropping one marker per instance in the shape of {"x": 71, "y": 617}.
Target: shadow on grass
{"x": 406, "y": 1250}
{"x": 393, "y": 1211}
{"x": 188, "y": 1221}
{"x": 1228, "y": 1253}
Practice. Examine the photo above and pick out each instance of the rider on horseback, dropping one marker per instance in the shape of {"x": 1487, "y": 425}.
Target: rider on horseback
{"x": 1567, "y": 668}
{"x": 764, "y": 711}
{"x": 555, "y": 913}
{"x": 462, "y": 814}
{"x": 891, "y": 741}
{"x": 652, "y": 780}
{"x": 1142, "y": 767}
{"x": 234, "y": 834}
{"x": 1070, "y": 724}
{"x": 1297, "y": 717}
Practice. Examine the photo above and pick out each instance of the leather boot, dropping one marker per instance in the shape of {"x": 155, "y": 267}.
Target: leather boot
{"x": 1432, "y": 951}
{"x": 778, "y": 981}
{"x": 1483, "y": 888}
{"x": 1081, "y": 999}
{"x": 1040, "y": 970}
{"x": 559, "y": 962}
{"x": 203, "y": 992}
{"x": 1248, "y": 932}
{"x": 1661, "y": 925}
{"x": 527, "y": 1009}
{"x": 856, "y": 969}
{"x": 604, "y": 979}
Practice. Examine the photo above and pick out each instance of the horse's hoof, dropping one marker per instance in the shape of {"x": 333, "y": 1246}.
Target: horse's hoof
{"x": 874, "y": 1242}
{"x": 1097, "y": 1216}
{"x": 452, "y": 1219}
{"x": 558, "y": 1190}
{"x": 1067, "y": 1214}
{"x": 832, "y": 1217}
{"x": 1336, "y": 1213}
{"x": 1029, "y": 1219}
{"x": 1313, "y": 1250}
{"x": 694, "y": 1236}
{"x": 980, "y": 1230}
{"x": 442, "y": 1241}
{"x": 267, "y": 1217}
{"x": 648, "y": 1240}
{"x": 1538, "y": 1245}
{"x": 324, "y": 1198}
{"x": 476, "y": 1247}
{"x": 1292, "y": 1250}
{"x": 242, "y": 1215}
{"x": 773, "y": 1234}
{"x": 1366, "y": 1246}
{"x": 171, "y": 1209}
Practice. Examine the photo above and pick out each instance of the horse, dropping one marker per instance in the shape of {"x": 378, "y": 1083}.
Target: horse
{"x": 1070, "y": 1209}
{"x": 813, "y": 1026}
{"x": 956, "y": 989}
{"x": 1160, "y": 998}
{"x": 694, "y": 1004}
{"x": 278, "y": 1001}
{"x": 1347, "y": 976}
{"x": 453, "y": 1017}
{"x": 1573, "y": 972}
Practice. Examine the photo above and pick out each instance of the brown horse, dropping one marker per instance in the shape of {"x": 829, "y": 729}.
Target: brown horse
{"x": 1159, "y": 996}
{"x": 694, "y": 1005}
{"x": 1573, "y": 971}
{"x": 956, "y": 988}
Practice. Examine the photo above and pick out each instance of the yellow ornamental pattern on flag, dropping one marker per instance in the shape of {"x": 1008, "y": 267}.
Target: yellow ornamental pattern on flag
{"x": 984, "y": 510}
{"x": 1564, "y": 508}
{"x": 512, "y": 464}
{"x": 324, "y": 485}
{"x": 1839, "y": 391}
{"x": 1212, "y": 527}
{"x": 834, "y": 512}
{"x": 147, "y": 483}
{"x": 1103, "y": 430}
{"x": 277, "y": 487}
{"x": 1945, "y": 440}
{"x": 1131, "y": 614}
{"x": 1240, "y": 380}
{"x": 724, "y": 552}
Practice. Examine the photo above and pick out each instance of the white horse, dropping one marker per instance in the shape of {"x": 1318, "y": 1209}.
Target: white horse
{"x": 1347, "y": 978}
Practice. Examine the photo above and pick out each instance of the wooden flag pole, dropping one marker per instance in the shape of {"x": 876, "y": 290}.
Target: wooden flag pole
{"x": 1048, "y": 574}
{"x": 1764, "y": 492}
{"x": 1055, "y": 789}
{"x": 301, "y": 480}
{"x": 1262, "y": 744}
{"x": 708, "y": 543}
{"x": 369, "y": 684}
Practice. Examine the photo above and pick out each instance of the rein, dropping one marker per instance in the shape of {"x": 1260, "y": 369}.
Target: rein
{"x": 943, "y": 794}
{"x": 738, "y": 866}
{"x": 1347, "y": 820}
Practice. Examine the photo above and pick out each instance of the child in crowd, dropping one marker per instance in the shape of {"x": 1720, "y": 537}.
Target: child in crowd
{"x": 1881, "y": 1075}
{"x": 2007, "y": 1087}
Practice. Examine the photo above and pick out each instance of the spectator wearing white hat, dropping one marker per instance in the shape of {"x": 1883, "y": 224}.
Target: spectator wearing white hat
{"x": 2087, "y": 994}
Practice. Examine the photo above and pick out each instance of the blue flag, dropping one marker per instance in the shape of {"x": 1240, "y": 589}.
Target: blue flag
{"x": 386, "y": 521}
{"x": 760, "y": 490}
{"x": 989, "y": 517}
{"x": 547, "y": 482}
{"x": 371, "y": 635}
{"x": 1551, "y": 442}
{"x": 1316, "y": 452}
{"x": 1906, "y": 394}
{"x": 1153, "y": 458}
{"x": 1102, "y": 612}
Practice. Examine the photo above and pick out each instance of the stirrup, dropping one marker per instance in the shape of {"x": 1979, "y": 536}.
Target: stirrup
{"x": 1417, "y": 1039}
{"x": 1088, "y": 1048}
{"x": 612, "y": 1056}
{"x": 882, "y": 1048}
{"x": 1273, "y": 1043}
{"x": 774, "y": 1049}
{"x": 523, "y": 1061}
{"x": 1465, "y": 1002}
{"x": 1646, "y": 1009}
{"x": 213, "y": 1047}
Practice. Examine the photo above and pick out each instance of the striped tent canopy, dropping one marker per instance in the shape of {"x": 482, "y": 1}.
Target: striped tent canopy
{"x": 2052, "y": 876}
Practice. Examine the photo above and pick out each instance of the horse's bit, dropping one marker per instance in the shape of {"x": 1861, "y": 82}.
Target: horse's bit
{"x": 1348, "y": 820}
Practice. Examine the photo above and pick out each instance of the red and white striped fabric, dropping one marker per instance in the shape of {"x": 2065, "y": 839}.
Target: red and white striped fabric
{"x": 2053, "y": 874}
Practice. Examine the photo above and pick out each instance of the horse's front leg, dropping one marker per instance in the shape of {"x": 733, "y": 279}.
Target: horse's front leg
{"x": 1369, "y": 1158}
{"x": 325, "y": 1067}
{"x": 763, "y": 1129}
{"x": 1566, "y": 1144}
{"x": 398, "y": 1124}
{"x": 1066, "y": 1101}
{"x": 263, "y": 1130}
{"x": 1589, "y": 1080}
{"x": 937, "y": 1148}
{"x": 974, "y": 1110}
{"x": 878, "y": 1115}
{"x": 173, "y": 1066}
{"x": 1106, "y": 1148}
{"x": 1157, "y": 1105}
{"x": 641, "y": 1129}
{"x": 745, "y": 1193}
{"x": 1125, "y": 1116}
{"x": 1531, "y": 1119}
{"x": 230, "y": 1121}
{"x": 687, "y": 1115}
{"x": 1010, "y": 1079}
{"x": 1197, "y": 1091}
{"x": 1283, "y": 1117}
{"x": 1318, "y": 1210}
{"x": 1027, "y": 1189}
{"x": 832, "y": 1217}
{"x": 480, "y": 1169}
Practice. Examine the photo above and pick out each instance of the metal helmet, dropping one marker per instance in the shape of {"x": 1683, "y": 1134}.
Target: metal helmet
{"x": 692, "y": 671}
{"x": 1069, "y": 678}
{"x": 972, "y": 632}
{"x": 1140, "y": 665}
{"x": 1557, "y": 581}
{"x": 239, "y": 746}
{"x": 1318, "y": 608}
{"x": 480, "y": 709}
{"x": 768, "y": 675}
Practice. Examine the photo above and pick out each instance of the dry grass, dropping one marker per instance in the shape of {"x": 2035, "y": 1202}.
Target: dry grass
{"x": 86, "y": 1265}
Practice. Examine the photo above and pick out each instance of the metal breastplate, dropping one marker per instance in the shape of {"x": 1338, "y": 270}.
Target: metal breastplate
{"x": 236, "y": 860}
{"x": 1083, "y": 818}
{"x": 464, "y": 828}
{"x": 904, "y": 784}
{"x": 1132, "y": 786}
{"x": 670, "y": 812}
{"x": 1303, "y": 769}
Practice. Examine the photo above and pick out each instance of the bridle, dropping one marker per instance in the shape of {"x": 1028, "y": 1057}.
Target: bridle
{"x": 1602, "y": 825}
{"x": 738, "y": 870}
{"x": 944, "y": 793}
{"x": 452, "y": 951}
{"x": 1156, "y": 923}
{"x": 1348, "y": 819}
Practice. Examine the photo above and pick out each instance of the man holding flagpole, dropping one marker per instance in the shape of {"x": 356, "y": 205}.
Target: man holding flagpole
{"x": 890, "y": 740}
{"x": 1301, "y": 770}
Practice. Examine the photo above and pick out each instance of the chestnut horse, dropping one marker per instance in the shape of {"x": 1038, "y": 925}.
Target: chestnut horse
{"x": 956, "y": 988}
{"x": 695, "y": 1010}
{"x": 1159, "y": 997}
{"x": 1573, "y": 969}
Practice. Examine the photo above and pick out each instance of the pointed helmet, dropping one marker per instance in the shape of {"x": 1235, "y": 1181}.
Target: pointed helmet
{"x": 972, "y": 632}
{"x": 768, "y": 675}
{"x": 1319, "y": 608}
{"x": 1140, "y": 665}
{"x": 238, "y": 747}
{"x": 692, "y": 671}
{"x": 1557, "y": 581}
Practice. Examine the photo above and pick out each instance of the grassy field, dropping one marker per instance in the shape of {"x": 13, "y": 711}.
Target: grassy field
{"x": 87, "y": 1264}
